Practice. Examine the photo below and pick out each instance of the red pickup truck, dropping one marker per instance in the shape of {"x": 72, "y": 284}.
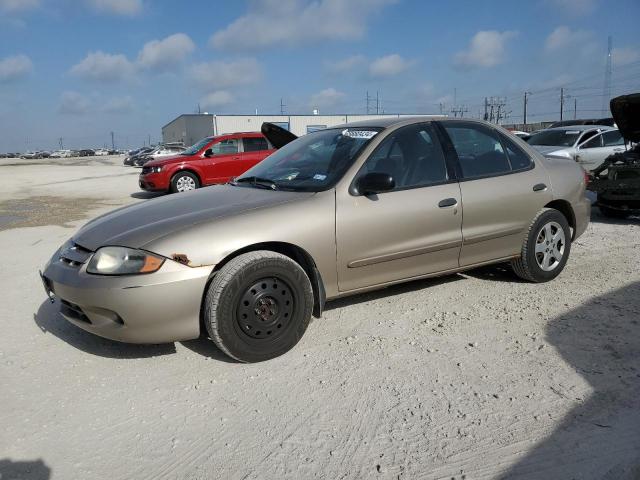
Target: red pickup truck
{"x": 212, "y": 160}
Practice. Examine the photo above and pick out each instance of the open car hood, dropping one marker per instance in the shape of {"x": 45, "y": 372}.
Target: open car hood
{"x": 626, "y": 112}
{"x": 278, "y": 136}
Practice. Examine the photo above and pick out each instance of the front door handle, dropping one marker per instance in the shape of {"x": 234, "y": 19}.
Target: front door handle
{"x": 447, "y": 202}
{"x": 539, "y": 187}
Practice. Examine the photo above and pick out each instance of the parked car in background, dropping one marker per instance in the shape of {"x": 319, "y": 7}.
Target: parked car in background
{"x": 44, "y": 154}
{"x": 101, "y": 152}
{"x": 564, "y": 141}
{"x": 158, "y": 152}
{"x": 593, "y": 152}
{"x": 365, "y": 205}
{"x": 520, "y": 134}
{"x": 212, "y": 160}
{"x": 132, "y": 155}
{"x": 29, "y": 155}
{"x": 62, "y": 154}
{"x": 86, "y": 152}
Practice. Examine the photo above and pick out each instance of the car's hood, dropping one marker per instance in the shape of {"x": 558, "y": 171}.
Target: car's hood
{"x": 626, "y": 113}
{"x": 160, "y": 161}
{"x": 139, "y": 224}
{"x": 545, "y": 149}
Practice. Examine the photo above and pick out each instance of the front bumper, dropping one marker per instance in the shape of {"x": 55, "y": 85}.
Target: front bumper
{"x": 153, "y": 182}
{"x": 154, "y": 308}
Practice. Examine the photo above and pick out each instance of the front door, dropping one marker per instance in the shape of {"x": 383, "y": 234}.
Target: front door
{"x": 223, "y": 162}
{"x": 413, "y": 230}
{"x": 502, "y": 190}
{"x": 593, "y": 152}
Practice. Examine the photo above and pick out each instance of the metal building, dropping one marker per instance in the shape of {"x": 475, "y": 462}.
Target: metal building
{"x": 189, "y": 128}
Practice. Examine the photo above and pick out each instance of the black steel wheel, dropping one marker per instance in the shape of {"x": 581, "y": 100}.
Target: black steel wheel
{"x": 258, "y": 306}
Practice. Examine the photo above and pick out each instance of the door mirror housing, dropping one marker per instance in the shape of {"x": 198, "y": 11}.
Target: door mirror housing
{"x": 375, "y": 182}
{"x": 208, "y": 153}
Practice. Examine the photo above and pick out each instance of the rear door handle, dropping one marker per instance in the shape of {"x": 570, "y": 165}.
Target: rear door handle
{"x": 539, "y": 187}
{"x": 447, "y": 202}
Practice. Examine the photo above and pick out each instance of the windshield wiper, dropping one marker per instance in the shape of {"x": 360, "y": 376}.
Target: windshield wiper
{"x": 257, "y": 182}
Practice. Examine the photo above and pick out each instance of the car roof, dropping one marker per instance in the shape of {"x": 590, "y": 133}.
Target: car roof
{"x": 392, "y": 121}
{"x": 581, "y": 127}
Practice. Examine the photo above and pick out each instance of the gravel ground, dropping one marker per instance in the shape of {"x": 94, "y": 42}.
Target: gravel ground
{"x": 471, "y": 376}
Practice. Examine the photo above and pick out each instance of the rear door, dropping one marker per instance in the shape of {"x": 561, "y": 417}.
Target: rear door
{"x": 593, "y": 152}
{"x": 502, "y": 189}
{"x": 254, "y": 150}
{"x": 223, "y": 161}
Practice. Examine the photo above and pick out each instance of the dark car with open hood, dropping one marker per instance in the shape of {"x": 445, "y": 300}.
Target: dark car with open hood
{"x": 617, "y": 179}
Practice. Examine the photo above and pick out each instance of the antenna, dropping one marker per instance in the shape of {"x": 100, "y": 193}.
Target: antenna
{"x": 606, "y": 92}
{"x": 282, "y": 105}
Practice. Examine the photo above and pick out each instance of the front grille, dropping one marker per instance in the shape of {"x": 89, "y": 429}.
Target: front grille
{"x": 74, "y": 255}
{"x": 74, "y": 311}
{"x": 146, "y": 170}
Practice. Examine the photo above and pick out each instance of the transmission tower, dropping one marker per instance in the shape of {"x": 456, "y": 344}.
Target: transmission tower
{"x": 606, "y": 93}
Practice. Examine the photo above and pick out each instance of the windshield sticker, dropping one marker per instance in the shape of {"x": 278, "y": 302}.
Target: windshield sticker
{"x": 365, "y": 134}
{"x": 571, "y": 132}
{"x": 319, "y": 176}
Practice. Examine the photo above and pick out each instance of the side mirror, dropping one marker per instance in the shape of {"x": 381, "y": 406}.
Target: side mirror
{"x": 375, "y": 182}
{"x": 208, "y": 153}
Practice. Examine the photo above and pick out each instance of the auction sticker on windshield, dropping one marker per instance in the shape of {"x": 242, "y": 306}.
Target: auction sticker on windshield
{"x": 365, "y": 134}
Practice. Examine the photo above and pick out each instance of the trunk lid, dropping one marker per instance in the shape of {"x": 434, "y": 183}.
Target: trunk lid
{"x": 626, "y": 113}
{"x": 277, "y": 136}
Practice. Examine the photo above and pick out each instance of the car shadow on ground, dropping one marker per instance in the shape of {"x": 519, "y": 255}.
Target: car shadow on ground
{"x": 49, "y": 320}
{"x": 147, "y": 195}
{"x": 600, "y": 437}
{"x": 24, "y": 470}
{"x": 598, "y": 217}
{"x": 204, "y": 346}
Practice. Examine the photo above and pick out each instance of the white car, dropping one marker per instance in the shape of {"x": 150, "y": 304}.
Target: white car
{"x": 101, "y": 152}
{"x": 575, "y": 142}
{"x": 62, "y": 154}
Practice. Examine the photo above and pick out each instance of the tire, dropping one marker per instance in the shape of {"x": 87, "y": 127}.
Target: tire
{"x": 258, "y": 306}
{"x": 184, "y": 181}
{"x": 612, "y": 213}
{"x": 538, "y": 262}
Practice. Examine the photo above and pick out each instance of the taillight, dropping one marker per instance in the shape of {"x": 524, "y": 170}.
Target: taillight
{"x": 587, "y": 178}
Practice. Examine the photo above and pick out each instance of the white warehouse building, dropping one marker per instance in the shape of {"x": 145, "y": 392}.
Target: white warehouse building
{"x": 189, "y": 128}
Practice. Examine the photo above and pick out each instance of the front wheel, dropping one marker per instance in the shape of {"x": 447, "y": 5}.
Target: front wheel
{"x": 258, "y": 306}
{"x": 184, "y": 181}
{"x": 545, "y": 249}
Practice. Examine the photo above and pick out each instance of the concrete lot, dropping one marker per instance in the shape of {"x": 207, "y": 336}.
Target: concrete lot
{"x": 469, "y": 376}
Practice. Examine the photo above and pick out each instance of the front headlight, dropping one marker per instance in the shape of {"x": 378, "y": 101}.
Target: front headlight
{"x": 157, "y": 169}
{"x": 123, "y": 261}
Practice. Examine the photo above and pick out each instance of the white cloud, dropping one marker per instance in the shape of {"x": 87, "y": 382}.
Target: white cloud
{"x": 18, "y": 5}
{"x": 575, "y": 7}
{"x": 166, "y": 53}
{"x": 326, "y": 98}
{"x": 624, "y": 56}
{"x": 486, "y": 49}
{"x": 216, "y": 99}
{"x": 74, "y": 103}
{"x": 127, "y": 8}
{"x": 104, "y": 67}
{"x": 389, "y": 65}
{"x": 118, "y": 105}
{"x": 14, "y": 68}
{"x": 220, "y": 75}
{"x": 563, "y": 37}
{"x": 289, "y": 22}
{"x": 346, "y": 64}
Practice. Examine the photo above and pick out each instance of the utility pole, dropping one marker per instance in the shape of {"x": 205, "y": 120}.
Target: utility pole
{"x": 282, "y": 105}
{"x": 149, "y": 139}
{"x": 367, "y": 100}
{"x": 60, "y": 143}
{"x": 113, "y": 143}
{"x": 377, "y": 102}
{"x": 575, "y": 108}
{"x": 524, "y": 116}
{"x": 441, "y": 105}
{"x": 486, "y": 107}
{"x": 561, "y": 102}
{"x": 606, "y": 94}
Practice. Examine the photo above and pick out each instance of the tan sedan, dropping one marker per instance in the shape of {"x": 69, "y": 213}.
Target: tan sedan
{"x": 335, "y": 212}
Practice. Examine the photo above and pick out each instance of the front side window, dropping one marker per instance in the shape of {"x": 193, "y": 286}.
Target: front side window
{"x": 587, "y": 136}
{"x": 612, "y": 138}
{"x": 480, "y": 153}
{"x": 411, "y": 155}
{"x": 225, "y": 147}
{"x": 255, "y": 144}
{"x": 313, "y": 162}
{"x": 595, "y": 142}
{"x": 195, "y": 148}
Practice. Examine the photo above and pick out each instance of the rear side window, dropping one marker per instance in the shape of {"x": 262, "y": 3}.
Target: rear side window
{"x": 612, "y": 138}
{"x": 480, "y": 152}
{"x": 517, "y": 157}
{"x": 254, "y": 144}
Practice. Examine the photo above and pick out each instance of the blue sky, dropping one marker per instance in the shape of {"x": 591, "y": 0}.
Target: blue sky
{"x": 79, "y": 69}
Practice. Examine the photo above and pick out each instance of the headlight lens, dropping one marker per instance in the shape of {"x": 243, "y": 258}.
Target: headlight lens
{"x": 157, "y": 169}
{"x": 123, "y": 261}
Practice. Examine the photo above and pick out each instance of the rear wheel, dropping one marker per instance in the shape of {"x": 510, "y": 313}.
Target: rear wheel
{"x": 545, "y": 249}
{"x": 184, "y": 181}
{"x": 258, "y": 306}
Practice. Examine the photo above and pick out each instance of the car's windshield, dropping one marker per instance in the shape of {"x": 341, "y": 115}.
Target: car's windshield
{"x": 195, "y": 148}
{"x": 555, "y": 138}
{"x": 313, "y": 162}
